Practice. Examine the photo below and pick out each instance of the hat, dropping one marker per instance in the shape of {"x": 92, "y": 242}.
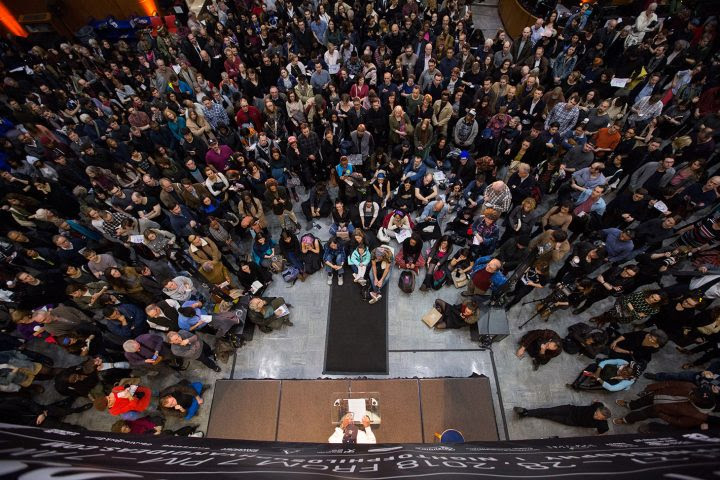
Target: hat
{"x": 399, "y": 213}
{"x": 380, "y": 175}
{"x": 464, "y": 155}
{"x": 405, "y": 143}
{"x": 292, "y": 139}
{"x": 212, "y": 141}
{"x": 472, "y": 112}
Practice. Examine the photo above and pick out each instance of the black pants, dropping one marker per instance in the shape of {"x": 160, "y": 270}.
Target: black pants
{"x": 642, "y": 409}
{"x": 521, "y": 290}
{"x": 595, "y": 295}
{"x": 710, "y": 349}
{"x": 307, "y": 211}
{"x": 559, "y": 414}
{"x": 206, "y": 357}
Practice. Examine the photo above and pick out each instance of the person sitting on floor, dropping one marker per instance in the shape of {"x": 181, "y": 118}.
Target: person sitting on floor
{"x": 456, "y": 316}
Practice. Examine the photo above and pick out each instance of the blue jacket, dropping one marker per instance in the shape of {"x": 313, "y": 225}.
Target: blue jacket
{"x": 136, "y": 321}
{"x": 617, "y": 249}
{"x": 598, "y": 207}
{"x": 497, "y": 279}
{"x": 419, "y": 173}
{"x": 622, "y": 384}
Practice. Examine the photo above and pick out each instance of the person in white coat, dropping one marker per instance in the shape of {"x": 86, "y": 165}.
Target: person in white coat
{"x": 349, "y": 433}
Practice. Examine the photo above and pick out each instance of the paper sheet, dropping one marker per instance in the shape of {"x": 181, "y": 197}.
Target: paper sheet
{"x": 255, "y": 286}
{"x": 282, "y": 311}
{"x": 402, "y": 235}
{"x": 619, "y": 82}
{"x": 333, "y": 69}
{"x": 356, "y": 406}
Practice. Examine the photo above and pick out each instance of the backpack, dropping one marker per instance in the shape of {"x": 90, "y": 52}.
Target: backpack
{"x": 439, "y": 278}
{"x": 406, "y": 282}
{"x": 290, "y": 274}
{"x": 570, "y": 345}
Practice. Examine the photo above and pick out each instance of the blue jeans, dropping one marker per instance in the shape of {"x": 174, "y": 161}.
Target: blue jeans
{"x": 374, "y": 287}
{"x": 676, "y": 376}
{"x": 330, "y": 271}
{"x": 295, "y": 261}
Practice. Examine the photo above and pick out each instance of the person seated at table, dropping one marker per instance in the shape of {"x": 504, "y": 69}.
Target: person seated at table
{"x": 182, "y": 399}
{"x": 349, "y": 434}
{"x": 456, "y": 316}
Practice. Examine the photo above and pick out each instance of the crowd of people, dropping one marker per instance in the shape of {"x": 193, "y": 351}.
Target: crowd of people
{"x": 152, "y": 190}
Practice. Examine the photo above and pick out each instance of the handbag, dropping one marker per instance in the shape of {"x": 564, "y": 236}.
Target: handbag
{"x": 277, "y": 264}
{"x": 459, "y": 278}
{"x": 432, "y": 317}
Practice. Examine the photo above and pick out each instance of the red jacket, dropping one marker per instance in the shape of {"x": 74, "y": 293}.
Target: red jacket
{"x": 252, "y": 115}
{"x": 125, "y": 405}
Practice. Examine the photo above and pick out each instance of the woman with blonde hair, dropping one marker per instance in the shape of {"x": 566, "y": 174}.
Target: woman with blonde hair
{"x": 380, "y": 266}
{"x": 400, "y": 126}
{"x": 198, "y": 125}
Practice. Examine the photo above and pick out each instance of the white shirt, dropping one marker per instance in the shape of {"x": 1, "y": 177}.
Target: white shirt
{"x": 366, "y": 436}
{"x": 712, "y": 292}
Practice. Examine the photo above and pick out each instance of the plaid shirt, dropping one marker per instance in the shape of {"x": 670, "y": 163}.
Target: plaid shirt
{"x": 646, "y": 110}
{"x": 498, "y": 201}
{"x": 216, "y": 115}
{"x": 309, "y": 145}
{"x": 109, "y": 227}
{"x": 566, "y": 118}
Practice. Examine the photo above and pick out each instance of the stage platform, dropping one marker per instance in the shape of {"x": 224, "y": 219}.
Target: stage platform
{"x": 410, "y": 410}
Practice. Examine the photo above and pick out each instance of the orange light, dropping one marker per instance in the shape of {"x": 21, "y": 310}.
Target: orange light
{"x": 9, "y": 21}
{"x": 148, "y": 7}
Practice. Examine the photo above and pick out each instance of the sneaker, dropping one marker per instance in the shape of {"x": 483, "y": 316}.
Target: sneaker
{"x": 340, "y": 280}
{"x": 622, "y": 403}
{"x": 356, "y": 279}
{"x": 467, "y": 294}
{"x": 362, "y": 281}
{"x": 375, "y": 298}
{"x": 329, "y": 279}
{"x": 197, "y": 435}
{"x": 520, "y": 411}
{"x": 619, "y": 421}
{"x": 650, "y": 376}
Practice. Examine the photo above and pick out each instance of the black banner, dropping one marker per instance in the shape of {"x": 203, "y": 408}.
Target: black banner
{"x": 28, "y": 453}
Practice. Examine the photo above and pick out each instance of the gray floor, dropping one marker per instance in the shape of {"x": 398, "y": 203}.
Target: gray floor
{"x": 485, "y": 17}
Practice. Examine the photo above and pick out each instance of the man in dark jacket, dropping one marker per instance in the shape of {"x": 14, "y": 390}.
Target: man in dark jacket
{"x": 594, "y": 415}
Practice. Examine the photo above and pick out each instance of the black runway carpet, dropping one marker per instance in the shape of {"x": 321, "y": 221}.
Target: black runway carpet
{"x": 356, "y": 340}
